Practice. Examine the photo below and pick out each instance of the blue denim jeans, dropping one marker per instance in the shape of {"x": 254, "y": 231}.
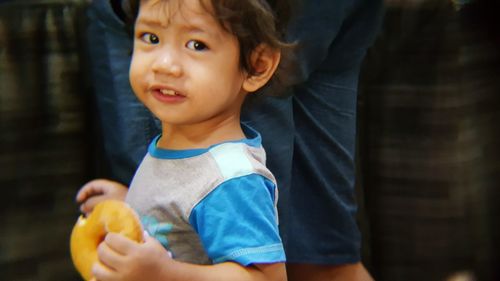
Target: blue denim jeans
{"x": 127, "y": 126}
{"x": 309, "y": 136}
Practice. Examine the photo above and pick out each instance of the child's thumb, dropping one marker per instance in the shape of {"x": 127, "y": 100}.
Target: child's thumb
{"x": 148, "y": 238}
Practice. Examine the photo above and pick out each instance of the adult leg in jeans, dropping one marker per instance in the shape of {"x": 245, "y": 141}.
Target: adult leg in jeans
{"x": 125, "y": 136}
{"x": 315, "y": 129}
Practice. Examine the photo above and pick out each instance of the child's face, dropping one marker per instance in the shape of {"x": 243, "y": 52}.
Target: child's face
{"x": 185, "y": 66}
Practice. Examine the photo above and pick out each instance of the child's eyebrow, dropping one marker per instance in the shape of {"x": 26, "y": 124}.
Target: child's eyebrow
{"x": 194, "y": 29}
{"x": 149, "y": 22}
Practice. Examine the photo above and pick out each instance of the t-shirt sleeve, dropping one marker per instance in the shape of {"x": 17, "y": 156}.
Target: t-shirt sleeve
{"x": 238, "y": 222}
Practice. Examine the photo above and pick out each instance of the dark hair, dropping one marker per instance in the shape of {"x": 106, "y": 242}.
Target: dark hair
{"x": 252, "y": 21}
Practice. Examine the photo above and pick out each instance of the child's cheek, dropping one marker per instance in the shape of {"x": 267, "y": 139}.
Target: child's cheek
{"x": 136, "y": 76}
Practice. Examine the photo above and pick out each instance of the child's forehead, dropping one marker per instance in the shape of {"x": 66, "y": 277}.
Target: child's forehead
{"x": 164, "y": 11}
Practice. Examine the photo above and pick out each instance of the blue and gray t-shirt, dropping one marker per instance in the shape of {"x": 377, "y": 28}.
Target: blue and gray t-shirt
{"x": 210, "y": 205}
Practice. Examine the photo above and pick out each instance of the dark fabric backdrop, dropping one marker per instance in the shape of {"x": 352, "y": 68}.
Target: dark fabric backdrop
{"x": 44, "y": 155}
{"x": 429, "y": 142}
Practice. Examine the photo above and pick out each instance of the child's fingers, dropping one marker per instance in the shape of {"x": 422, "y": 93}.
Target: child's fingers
{"x": 89, "y": 189}
{"x": 149, "y": 239}
{"x": 89, "y": 204}
{"x": 101, "y": 272}
{"x": 119, "y": 243}
{"x": 108, "y": 256}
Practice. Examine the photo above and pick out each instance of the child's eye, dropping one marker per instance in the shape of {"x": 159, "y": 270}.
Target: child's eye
{"x": 149, "y": 38}
{"x": 196, "y": 45}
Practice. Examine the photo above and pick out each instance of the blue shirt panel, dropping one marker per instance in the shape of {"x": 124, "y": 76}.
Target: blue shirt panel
{"x": 237, "y": 222}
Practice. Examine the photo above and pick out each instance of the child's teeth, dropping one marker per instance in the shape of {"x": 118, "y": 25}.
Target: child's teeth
{"x": 168, "y": 92}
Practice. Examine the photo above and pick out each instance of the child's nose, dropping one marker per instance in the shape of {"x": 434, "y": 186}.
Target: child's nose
{"x": 167, "y": 64}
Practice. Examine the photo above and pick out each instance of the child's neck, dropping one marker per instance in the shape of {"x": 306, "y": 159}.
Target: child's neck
{"x": 200, "y": 135}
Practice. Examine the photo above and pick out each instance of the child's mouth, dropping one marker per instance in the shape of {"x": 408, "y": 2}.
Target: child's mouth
{"x": 168, "y": 95}
{"x": 167, "y": 92}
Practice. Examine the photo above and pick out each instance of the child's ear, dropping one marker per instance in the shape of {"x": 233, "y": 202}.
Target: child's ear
{"x": 264, "y": 60}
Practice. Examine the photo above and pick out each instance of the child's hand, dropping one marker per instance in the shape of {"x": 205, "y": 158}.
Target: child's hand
{"x": 125, "y": 260}
{"x": 99, "y": 190}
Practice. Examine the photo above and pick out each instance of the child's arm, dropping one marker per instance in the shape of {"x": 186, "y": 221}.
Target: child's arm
{"x": 99, "y": 190}
{"x": 229, "y": 271}
{"x": 126, "y": 260}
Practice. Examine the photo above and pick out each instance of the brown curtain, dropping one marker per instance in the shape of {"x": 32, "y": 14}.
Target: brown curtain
{"x": 430, "y": 138}
{"x": 43, "y": 134}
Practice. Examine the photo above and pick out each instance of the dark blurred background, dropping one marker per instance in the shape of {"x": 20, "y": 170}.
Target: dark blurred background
{"x": 429, "y": 138}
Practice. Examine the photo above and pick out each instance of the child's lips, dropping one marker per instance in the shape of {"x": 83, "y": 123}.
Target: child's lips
{"x": 165, "y": 90}
{"x": 167, "y": 95}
